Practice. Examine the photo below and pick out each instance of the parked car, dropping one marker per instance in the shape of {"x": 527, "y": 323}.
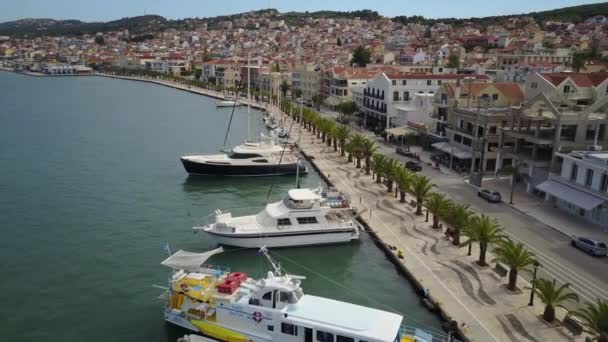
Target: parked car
{"x": 490, "y": 196}
{"x": 593, "y": 247}
{"x": 405, "y": 151}
{"x": 414, "y": 166}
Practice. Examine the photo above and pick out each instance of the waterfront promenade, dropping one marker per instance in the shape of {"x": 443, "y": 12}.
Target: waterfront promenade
{"x": 465, "y": 292}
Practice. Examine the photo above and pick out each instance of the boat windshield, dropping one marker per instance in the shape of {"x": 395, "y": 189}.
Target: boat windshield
{"x": 295, "y": 204}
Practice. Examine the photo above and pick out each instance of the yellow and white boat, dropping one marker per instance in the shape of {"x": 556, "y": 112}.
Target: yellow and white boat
{"x": 232, "y": 307}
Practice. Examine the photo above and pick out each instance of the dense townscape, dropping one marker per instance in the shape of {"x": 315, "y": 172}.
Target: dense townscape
{"x": 517, "y": 104}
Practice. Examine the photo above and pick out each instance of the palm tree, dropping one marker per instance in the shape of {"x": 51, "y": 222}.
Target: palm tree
{"x": 458, "y": 216}
{"x": 485, "y": 230}
{"x": 516, "y": 256}
{"x": 595, "y": 319}
{"x": 515, "y": 172}
{"x": 378, "y": 161}
{"x": 421, "y": 187}
{"x": 357, "y": 148}
{"x": 437, "y": 204}
{"x": 553, "y": 296}
{"x": 341, "y": 135}
{"x": 369, "y": 148}
{"x": 389, "y": 171}
{"x": 404, "y": 178}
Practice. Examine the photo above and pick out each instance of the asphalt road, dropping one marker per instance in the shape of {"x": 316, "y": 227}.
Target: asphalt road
{"x": 587, "y": 275}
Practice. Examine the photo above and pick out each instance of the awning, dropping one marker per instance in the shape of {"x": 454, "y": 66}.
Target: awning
{"x": 189, "y": 261}
{"x": 449, "y": 149}
{"x": 570, "y": 194}
{"x": 401, "y": 130}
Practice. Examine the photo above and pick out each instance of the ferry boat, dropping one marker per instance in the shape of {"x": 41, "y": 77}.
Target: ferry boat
{"x": 247, "y": 159}
{"x": 227, "y": 103}
{"x": 231, "y": 306}
{"x": 304, "y": 217}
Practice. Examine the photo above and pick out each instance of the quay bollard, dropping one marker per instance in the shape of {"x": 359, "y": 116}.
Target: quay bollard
{"x": 400, "y": 254}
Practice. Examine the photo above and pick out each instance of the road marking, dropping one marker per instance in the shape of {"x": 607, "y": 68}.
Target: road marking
{"x": 562, "y": 273}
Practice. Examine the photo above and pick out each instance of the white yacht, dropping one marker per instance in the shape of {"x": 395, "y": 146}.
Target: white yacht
{"x": 227, "y": 103}
{"x": 304, "y": 217}
{"x": 231, "y": 306}
{"x": 247, "y": 159}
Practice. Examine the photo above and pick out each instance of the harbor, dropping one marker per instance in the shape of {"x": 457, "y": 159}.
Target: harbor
{"x": 101, "y": 216}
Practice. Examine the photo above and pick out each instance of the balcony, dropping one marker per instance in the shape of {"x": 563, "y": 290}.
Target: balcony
{"x": 375, "y": 108}
{"x": 376, "y": 95}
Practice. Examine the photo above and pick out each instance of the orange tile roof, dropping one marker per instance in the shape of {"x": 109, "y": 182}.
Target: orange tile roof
{"x": 580, "y": 79}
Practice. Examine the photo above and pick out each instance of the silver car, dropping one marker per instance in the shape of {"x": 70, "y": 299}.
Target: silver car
{"x": 490, "y": 196}
{"x": 593, "y": 247}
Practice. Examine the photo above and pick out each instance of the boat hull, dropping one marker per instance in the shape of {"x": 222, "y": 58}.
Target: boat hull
{"x": 198, "y": 168}
{"x": 336, "y": 236}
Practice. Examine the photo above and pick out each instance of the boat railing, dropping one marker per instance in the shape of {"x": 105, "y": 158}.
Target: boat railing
{"x": 234, "y": 212}
{"x": 425, "y": 335}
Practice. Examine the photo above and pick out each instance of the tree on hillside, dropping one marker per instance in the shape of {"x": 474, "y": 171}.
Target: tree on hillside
{"x": 578, "y": 61}
{"x": 339, "y": 42}
{"x": 99, "y": 40}
{"x": 361, "y": 57}
{"x": 453, "y": 61}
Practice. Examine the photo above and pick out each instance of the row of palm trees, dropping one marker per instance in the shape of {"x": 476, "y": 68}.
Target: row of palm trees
{"x": 481, "y": 229}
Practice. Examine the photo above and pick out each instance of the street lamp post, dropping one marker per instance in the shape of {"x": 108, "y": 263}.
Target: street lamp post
{"x": 536, "y": 265}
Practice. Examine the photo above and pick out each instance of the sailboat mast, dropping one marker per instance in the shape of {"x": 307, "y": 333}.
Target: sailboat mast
{"x": 249, "y": 96}
{"x": 299, "y": 142}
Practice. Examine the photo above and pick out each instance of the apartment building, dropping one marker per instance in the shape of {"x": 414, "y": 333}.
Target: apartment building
{"x": 556, "y": 56}
{"x": 541, "y": 128}
{"x": 468, "y": 116}
{"x": 387, "y": 93}
{"x": 306, "y": 78}
{"x": 581, "y": 186}
{"x": 270, "y": 82}
{"x": 343, "y": 81}
{"x": 226, "y": 72}
{"x": 574, "y": 88}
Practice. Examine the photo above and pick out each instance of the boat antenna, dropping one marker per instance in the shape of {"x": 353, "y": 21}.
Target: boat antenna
{"x": 248, "y": 96}
{"x": 275, "y": 266}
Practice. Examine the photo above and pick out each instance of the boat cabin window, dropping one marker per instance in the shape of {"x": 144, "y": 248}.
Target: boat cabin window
{"x": 307, "y": 220}
{"x": 284, "y": 222}
{"x": 287, "y": 297}
{"x": 267, "y": 295}
{"x": 323, "y": 336}
{"x": 293, "y": 204}
{"x": 344, "y": 339}
{"x": 260, "y": 161}
{"x": 289, "y": 329}
{"x": 254, "y": 301}
{"x": 235, "y": 155}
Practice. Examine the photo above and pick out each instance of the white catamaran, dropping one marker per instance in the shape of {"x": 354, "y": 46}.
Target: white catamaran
{"x": 232, "y": 307}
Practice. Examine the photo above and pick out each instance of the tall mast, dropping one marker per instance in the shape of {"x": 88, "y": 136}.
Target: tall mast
{"x": 299, "y": 142}
{"x": 248, "y": 96}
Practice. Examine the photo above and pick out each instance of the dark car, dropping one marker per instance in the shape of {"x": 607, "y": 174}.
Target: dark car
{"x": 593, "y": 247}
{"x": 490, "y": 196}
{"x": 413, "y": 166}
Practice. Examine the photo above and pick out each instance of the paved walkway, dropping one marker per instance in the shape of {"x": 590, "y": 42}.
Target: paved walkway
{"x": 538, "y": 209}
{"x": 465, "y": 292}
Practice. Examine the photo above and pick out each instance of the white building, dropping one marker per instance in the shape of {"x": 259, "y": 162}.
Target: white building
{"x": 581, "y": 188}
{"x": 386, "y": 93}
